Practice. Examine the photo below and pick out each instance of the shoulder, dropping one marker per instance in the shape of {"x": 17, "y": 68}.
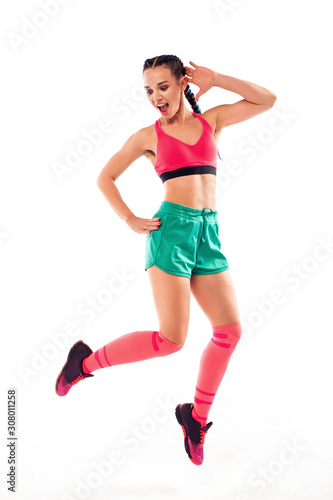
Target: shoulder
{"x": 144, "y": 136}
{"x": 147, "y": 132}
{"x": 143, "y": 132}
{"x": 212, "y": 117}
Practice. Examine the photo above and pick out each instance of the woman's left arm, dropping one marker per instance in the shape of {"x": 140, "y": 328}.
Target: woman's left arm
{"x": 256, "y": 99}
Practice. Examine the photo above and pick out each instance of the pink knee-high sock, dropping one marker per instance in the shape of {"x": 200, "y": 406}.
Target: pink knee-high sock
{"x": 135, "y": 346}
{"x": 213, "y": 364}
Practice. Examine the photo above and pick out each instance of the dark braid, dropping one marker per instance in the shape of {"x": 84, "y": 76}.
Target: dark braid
{"x": 191, "y": 99}
{"x": 177, "y": 69}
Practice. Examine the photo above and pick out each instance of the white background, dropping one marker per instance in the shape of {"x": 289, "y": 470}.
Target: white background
{"x": 61, "y": 243}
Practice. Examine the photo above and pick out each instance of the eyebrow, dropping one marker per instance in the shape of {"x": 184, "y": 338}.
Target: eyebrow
{"x": 165, "y": 81}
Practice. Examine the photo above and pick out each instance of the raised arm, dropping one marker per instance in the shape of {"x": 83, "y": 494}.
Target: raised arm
{"x": 256, "y": 100}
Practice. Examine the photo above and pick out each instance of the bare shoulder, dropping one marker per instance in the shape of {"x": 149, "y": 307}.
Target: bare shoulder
{"x": 148, "y": 132}
{"x": 210, "y": 115}
{"x": 141, "y": 136}
{"x": 135, "y": 146}
{"x": 149, "y": 139}
{"x": 141, "y": 139}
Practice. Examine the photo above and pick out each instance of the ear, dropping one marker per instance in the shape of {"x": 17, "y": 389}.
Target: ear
{"x": 184, "y": 83}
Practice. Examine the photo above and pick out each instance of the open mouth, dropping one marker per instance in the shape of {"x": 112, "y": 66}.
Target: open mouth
{"x": 163, "y": 108}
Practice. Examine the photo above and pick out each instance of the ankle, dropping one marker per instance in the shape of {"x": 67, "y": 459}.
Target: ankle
{"x": 202, "y": 421}
{"x": 84, "y": 367}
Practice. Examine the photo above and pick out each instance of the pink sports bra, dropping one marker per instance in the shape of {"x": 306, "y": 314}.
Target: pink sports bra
{"x": 175, "y": 158}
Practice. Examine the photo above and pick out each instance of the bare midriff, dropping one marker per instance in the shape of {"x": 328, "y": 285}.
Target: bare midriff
{"x": 196, "y": 191}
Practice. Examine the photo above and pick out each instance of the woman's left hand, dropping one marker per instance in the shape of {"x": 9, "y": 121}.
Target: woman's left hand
{"x": 200, "y": 76}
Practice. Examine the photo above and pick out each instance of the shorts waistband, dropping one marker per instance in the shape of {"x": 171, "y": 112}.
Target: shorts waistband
{"x": 168, "y": 206}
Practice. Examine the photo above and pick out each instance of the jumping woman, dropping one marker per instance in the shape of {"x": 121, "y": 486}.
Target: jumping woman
{"x": 183, "y": 251}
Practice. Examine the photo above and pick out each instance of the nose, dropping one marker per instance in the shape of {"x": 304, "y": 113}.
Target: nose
{"x": 157, "y": 99}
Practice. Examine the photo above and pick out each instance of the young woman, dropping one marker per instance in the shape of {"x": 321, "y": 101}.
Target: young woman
{"x": 183, "y": 250}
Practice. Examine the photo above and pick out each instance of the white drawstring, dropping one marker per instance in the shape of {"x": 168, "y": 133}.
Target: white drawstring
{"x": 204, "y": 213}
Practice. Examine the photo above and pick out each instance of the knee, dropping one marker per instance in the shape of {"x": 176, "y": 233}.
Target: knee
{"x": 180, "y": 344}
{"x": 236, "y": 331}
{"x": 175, "y": 342}
{"x": 227, "y": 336}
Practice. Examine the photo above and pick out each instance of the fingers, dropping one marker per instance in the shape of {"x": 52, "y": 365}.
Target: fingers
{"x": 154, "y": 224}
{"x": 191, "y": 70}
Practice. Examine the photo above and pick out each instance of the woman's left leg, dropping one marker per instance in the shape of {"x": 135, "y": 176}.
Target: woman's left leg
{"x": 215, "y": 294}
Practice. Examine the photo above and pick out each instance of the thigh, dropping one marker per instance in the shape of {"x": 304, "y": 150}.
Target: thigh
{"x": 172, "y": 247}
{"x": 172, "y": 295}
{"x": 215, "y": 294}
{"x": 209, "y": 258}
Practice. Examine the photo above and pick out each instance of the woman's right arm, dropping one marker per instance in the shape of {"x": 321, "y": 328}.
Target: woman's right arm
{"x": 134, "y": 148}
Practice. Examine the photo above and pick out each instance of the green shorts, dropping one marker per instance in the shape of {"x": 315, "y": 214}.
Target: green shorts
{"x": 187, "y": 241}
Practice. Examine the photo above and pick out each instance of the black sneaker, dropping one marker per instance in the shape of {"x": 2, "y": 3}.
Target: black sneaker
{"x": 72, "y": 371}
{"x": 194, "y": 434}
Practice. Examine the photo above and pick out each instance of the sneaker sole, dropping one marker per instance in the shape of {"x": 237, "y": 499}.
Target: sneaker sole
{"x": 187, "y": 448}
{"x": 69, "y": 357}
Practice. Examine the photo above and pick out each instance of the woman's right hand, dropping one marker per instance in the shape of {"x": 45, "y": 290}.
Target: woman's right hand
{"x": 143, "y": 226}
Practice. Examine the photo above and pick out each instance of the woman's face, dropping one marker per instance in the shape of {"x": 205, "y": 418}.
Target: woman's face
{"x": 162, "y": 88}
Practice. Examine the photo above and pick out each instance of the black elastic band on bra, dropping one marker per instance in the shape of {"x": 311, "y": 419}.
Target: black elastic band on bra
{"x": 197, "y": 169}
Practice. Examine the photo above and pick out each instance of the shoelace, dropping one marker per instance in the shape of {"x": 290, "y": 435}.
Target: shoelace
{"x": 77, "y": 379}
{"x": 203, "y": 432}
{"x": 202, "y": 437}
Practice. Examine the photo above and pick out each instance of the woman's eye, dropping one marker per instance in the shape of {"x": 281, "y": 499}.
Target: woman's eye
{"x": 162, "y": 88}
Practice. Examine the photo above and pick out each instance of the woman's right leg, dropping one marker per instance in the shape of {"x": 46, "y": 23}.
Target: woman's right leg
{"x": 172, "y": 300}
{"x": 171, "y": 295}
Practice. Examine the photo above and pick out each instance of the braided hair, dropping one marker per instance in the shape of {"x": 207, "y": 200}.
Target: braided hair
{"x": 177, "y": 69}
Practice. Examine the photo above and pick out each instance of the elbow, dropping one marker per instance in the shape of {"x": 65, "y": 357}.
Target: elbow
{"x": 102, "y": 179}
{"x": 99, "y": 181}
{"x": 272, "y": 100}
